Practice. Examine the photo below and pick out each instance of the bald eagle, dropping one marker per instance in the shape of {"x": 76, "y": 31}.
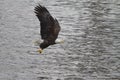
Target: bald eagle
{"x": 49, "y": 28}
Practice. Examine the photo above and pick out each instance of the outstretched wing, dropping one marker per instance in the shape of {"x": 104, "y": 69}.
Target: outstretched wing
{"x": 49, "y": 25}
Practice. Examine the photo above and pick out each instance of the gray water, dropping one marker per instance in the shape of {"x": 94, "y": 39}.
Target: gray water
{"x": 90, "y": 28}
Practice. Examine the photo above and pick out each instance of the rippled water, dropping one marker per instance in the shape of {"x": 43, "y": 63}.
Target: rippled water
{"x": 90, "y": 28}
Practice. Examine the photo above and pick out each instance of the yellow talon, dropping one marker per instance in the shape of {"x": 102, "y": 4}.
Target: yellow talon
{"x": 40, "y": 50}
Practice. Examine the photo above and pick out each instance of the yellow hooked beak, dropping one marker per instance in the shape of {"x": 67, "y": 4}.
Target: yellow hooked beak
{"x": 40, "y": 50}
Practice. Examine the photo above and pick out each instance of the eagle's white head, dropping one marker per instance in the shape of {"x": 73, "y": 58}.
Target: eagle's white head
{"x": 38, "y": 42}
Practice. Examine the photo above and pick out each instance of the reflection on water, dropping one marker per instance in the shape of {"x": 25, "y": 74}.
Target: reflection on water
{"x": 92, "y": 41}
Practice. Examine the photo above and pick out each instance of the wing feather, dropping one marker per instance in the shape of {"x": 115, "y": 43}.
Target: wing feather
{"x": 49, "y": 26}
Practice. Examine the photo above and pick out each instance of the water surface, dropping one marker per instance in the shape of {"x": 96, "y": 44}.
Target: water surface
{"x": 90, "y": 28}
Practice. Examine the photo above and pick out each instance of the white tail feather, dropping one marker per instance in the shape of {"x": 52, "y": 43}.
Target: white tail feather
{"x": 58, "y": 41}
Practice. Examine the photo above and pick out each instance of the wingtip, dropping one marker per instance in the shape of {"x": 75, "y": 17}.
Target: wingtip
{"x": 40, "y": 8}
{"x": 37, "y": 7}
